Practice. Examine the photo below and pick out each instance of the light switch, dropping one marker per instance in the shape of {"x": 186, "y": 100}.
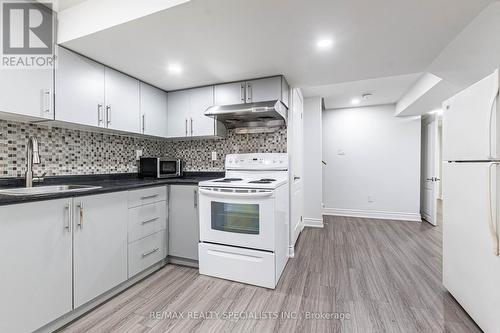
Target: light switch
{"x": 214, "y": 156}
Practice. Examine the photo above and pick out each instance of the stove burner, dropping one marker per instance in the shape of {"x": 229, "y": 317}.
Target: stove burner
{"x": 262, "y": 181}
{"x": 228, "y": 180}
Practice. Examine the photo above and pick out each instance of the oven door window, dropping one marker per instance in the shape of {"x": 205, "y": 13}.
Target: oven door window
{"x": 237, "y": 218}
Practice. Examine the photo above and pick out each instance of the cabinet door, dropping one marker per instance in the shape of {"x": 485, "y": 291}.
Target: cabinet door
{"x": 27, "y": 92}
{"x": 230, "y": 93}
{"x": 263, "y": 90}
{"x": 153, "y": 110}
{"x": 178, "y": 114}
{"x": 183, "y": 222}
{"x": 100, "y": 244}
{"x": 122, "y": 102}
{"x": 35, "y": 282}
{"x": 200, "y": 99}
{"x": 79, "y": 89}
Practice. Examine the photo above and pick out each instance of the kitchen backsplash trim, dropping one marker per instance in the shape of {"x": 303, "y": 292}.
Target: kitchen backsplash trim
{"x": 77, "y": 152}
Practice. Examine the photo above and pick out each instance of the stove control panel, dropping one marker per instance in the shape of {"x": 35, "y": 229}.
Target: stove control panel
{"x": 260, "y": 161}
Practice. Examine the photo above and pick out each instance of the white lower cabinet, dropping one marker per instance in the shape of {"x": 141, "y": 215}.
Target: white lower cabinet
{"x": 183, "y": 226}
{"x": 146, "y": 252}
{"x": 100, "y": 244}
{"x": 35, "y": 280}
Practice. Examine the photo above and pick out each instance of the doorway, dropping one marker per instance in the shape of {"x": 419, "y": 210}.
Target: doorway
{"x": 431, "y": 189}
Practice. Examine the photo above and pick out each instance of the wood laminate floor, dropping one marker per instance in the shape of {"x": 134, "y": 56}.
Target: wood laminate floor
{"x": 381, "y": 276}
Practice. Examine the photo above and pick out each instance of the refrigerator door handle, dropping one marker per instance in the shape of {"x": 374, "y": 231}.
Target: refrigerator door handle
{"x": 493, "y": 224}
{"x": 493, "y": 104}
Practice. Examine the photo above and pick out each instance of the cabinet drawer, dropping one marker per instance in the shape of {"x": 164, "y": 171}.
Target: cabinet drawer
{"x": 238, "y": 264}
{"x": 146, "y": 220}
{"x": 146, "y": 252}
{"x": 146, "y": 196}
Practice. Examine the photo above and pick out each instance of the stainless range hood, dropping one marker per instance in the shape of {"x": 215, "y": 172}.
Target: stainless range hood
{"x": 261, "y": 117}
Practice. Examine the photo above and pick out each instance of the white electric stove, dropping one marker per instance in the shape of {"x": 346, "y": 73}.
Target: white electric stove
{"x": 244, "y": 220}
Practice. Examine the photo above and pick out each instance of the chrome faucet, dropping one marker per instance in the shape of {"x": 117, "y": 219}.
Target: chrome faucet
{"x": 32, "y": 157}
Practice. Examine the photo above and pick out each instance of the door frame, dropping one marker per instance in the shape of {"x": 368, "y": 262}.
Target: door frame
{"x": 429, "y": 119}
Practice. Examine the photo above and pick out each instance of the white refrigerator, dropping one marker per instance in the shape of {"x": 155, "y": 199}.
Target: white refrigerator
{"x": 471, "y": 194}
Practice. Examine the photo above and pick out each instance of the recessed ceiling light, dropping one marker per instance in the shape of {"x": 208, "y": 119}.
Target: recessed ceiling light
{"x": 324, "y": 43}
{"x": 355, "y": 101}
{"x": 174, "y": 68}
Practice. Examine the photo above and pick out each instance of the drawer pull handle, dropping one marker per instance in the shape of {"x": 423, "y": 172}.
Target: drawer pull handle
{"x": 149, "y": 197}
{"x": 150, "y": 252}
{"x": 149, "y": 221}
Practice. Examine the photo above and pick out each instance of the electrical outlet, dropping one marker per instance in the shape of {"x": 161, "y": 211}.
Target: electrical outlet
{"x": 214, "y": 156}
{"x": 138, "y": 154}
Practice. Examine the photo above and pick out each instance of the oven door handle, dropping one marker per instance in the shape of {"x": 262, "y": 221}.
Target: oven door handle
{"x": 235, "y": 194}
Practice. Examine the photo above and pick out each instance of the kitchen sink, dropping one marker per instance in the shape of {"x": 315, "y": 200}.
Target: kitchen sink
{"x": 48, "y": 189}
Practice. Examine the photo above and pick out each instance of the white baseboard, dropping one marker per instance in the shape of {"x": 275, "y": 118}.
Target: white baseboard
{"x": 313, "y": 223}
{"x": 373, "y": 214}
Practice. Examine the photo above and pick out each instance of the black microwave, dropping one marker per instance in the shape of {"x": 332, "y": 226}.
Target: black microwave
{"x": 159, "y": 168}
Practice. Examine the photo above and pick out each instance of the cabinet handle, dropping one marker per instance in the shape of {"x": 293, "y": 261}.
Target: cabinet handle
{"x": 149, "y": 197}
{"x": 249, "y": 93}
{"x": 149, "y": 221}
{"x": 67, "y": 210}
{"x": 80, "y": 220}
{"x": 242, "y": 93}
{"x": 46, "y": 103}
{"x": 186, "y": 127}
{"x": 191, "y": 126}
{"x": 143, "y": 123}
{"x": 195, "y": 199}
{"x": 150, "y": 252}
{"x": 108, "y": 114}
{"x": 99, "y": 114}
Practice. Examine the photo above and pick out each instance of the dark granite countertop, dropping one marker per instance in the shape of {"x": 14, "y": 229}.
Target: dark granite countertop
{"x": 108, "y": 183}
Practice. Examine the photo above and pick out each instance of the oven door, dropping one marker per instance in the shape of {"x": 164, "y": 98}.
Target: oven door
{"x": 239, "y": 217}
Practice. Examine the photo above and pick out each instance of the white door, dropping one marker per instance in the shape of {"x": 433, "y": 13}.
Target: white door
{"x": 27, "y": 92}
{"x": 200, "y": 99}
{"x": 100, "y": 244}
{"x": 471, "y": 270}
{"x": 122, "y": 102}
{"x": 430, "y": 179}
{"x": 183, "y": 226}
{"x": 470, "y": 123}
{"x": 263, "y": 90}
{"x": 79, "y": 89}
{"x": 153, "y": 110}
{"x": 296, "y": 164}
{"x": 35, "y": 280}
{"x": 178, "y": 114}
{"x": 230, "y": 93}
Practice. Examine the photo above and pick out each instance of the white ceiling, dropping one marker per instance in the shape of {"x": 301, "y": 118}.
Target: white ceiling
{"x": 385, "y": 90}
{"x": 65, "y": 4}
{"x": 219, "y": 40}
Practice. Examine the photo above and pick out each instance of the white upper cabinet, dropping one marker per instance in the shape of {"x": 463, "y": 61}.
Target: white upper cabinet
{"x": 178, "y": 114}
{"x": 200, "y": 99}
{"x": 27, "y": 92}
{"x": 252, "y": 91}
{"x": 230, "y": 93}
{"x": 122, "y": 101}
{"x": 35, "y": 282}
{"x": 80, "y": 90}
{"x": 100, "y": 244}
{"x": 153, "y": 111}
{"x": 186, "y": 113}
{"x": 263, "y": 90}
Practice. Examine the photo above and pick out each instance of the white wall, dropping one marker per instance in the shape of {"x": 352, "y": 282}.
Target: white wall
{"x": 313, "y": 182}
{"x": 373, "y": 163}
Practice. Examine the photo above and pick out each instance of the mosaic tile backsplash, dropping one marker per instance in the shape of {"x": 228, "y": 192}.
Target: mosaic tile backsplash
{"x": 75, "y": 152}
